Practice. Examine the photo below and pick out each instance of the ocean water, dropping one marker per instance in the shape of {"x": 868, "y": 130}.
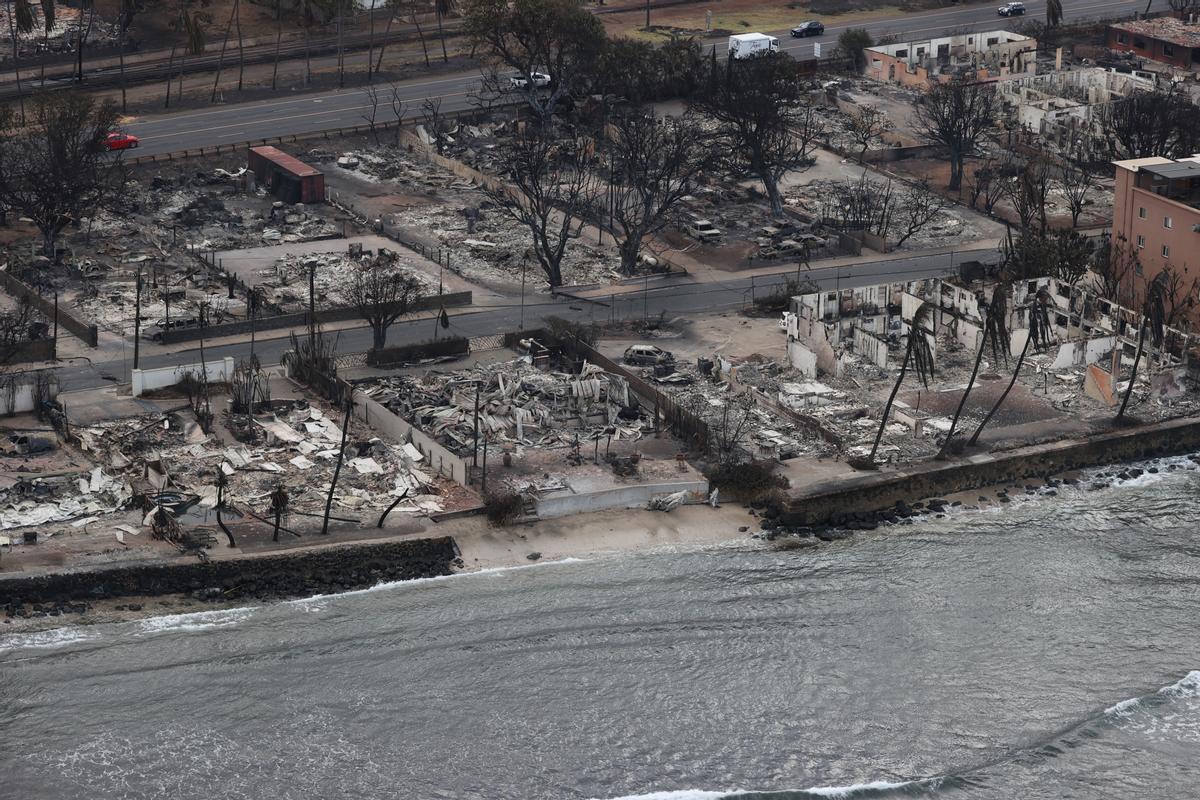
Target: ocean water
{"x": 1045, "y": 649}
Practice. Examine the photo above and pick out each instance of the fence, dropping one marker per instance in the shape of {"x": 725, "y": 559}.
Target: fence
{"x": 86, "y": 332}
{"x": 300, "y": 318}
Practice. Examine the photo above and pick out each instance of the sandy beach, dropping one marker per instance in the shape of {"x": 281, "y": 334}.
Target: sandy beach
{"x": 483, "y": 547}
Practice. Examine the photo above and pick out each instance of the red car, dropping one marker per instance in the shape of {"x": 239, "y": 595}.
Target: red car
{"x": 120, "y": 141}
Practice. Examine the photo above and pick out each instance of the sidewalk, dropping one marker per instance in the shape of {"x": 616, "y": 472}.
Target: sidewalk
{"x": 703, "y": 274}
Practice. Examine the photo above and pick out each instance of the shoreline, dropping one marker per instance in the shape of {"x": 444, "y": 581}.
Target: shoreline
{"x": 975, "y": 484}
{"x": 482, "y": 548}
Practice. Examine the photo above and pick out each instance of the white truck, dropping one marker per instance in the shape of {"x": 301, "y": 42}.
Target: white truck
{"x": 752, "y": 45}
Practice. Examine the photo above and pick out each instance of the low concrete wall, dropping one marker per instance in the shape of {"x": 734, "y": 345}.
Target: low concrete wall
{"x": 828, "y": 502}
{"x": 620, "y": 497}
{"x": 300, "y": 318}
{"x": 289, "y": 574}
{"x": 886, "y": 154}
{"x": 22, "y": 392}
{"x": 147, "y": 380}
{"x": 437, "y": 458}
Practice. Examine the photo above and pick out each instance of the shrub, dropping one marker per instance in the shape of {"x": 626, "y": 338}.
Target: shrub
{"x": 853, "y": 43}
{"x": 503, "y": 508}
{"x": 568, "y": 330}
{"x": 747, "y": 481}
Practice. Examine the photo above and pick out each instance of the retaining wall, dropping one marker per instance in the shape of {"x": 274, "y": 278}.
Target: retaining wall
{"x": 875, "y": 491}
{"x": 289, "y": 574}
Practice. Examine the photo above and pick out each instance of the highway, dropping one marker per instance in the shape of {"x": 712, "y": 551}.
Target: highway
{"x": 672, "y": 297}
{"x": 307, "y": 113}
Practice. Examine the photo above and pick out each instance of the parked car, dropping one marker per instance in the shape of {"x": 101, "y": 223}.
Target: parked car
{"x": 810, "y": 28}
{"x": 647, "y": 355}
{"x": 120, "y": 141}
{"x": 1011, "y": 10}
{"x": 160, "y": 326}
{"x": 703, "y": 230}
{"x": 540, "y": 80}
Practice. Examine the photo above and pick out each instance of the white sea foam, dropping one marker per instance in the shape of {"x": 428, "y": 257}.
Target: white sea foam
{"x": 1187, "y": 686}
{"x": 850, "y": 791}
{"x": 55, "y": 637}
{"x": 681, "y": 794}
{"x": 196, "y": 621}
{"x": 318, "y": 599}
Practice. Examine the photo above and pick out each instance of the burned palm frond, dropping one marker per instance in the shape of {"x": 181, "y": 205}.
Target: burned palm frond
{"x": 920, "y": 352}
{"x": 995, "y": 325}
{"x": 1154, "y": 317}
{"x": 1040, "y": 329}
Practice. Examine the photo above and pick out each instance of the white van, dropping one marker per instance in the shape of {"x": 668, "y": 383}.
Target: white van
{"x": 752, "y": 45}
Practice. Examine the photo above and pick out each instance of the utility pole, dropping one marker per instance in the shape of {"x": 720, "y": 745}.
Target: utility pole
{"x": 521, "y": 324}
{"x": 137, "y": 318}
{"x": 475, "y": 456}
{"x": 647, "y": 14}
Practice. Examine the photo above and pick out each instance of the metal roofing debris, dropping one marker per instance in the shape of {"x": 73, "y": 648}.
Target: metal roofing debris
{"x": 1164, "y": 29}
{"x": 518, "y": 403}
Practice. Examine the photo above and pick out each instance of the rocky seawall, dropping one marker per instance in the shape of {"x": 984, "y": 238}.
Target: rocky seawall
{"x": 868, "y": 499}
{"x": 278, "y": 576}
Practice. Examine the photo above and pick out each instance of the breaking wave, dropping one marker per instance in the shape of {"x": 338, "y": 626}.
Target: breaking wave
{"x": 320, "y": 599}
{"x": 856, "y": 790}
{"x": 55, "y": 637}
{"x": 196, "y": 621}
{"x": 1187, "y": 686}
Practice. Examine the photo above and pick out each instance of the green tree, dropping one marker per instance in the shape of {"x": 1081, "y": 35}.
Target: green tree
{"x": 768, "y": 125}
{"x": 854, "y": 43}
{"x": 557, "y": 37}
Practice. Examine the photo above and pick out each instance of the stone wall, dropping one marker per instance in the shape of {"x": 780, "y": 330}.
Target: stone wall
{"x": 287, "y": 574}
{"x": 827, "y": 502}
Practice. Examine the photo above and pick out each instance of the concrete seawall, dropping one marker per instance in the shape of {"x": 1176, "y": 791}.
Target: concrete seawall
{"x": 829, "y": 502}
{"x": 287, "y": 574}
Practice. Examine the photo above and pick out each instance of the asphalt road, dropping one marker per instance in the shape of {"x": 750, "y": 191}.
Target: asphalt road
{"x": 668, "y": 296}
{"x": 308, "y": 113}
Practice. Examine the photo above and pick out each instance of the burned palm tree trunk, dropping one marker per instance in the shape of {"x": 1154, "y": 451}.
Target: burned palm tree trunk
{"x": 222, "y": 482}
{"x": 917, "y": 353}
{"x": 1137, "y": 358}
{"x": 994, "y": 329}
{"x": 1038, "y": 336}
{"x": 279, "y": 505}
{"x": 337, "y": 469}
{"x": 1154, "y": 316}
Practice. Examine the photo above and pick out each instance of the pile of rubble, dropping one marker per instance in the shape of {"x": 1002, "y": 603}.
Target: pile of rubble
{"x": 168, "y": 461}
{"x": 485, "y": 244}
{"x": 517, "y": 403}
{"x": 286, "y": 282}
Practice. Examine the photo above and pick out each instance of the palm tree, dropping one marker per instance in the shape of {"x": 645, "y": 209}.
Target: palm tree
{"x": 920, "y": 355}
{"x": 337, "y": 469}
{"x": 222, "y": 482}
{"x": 279, "y": 507}
{"x": 995, "y": 329}
{"x": 1153, "y": 315}
{"x": 1054, "y": 13}
{"x": 1038, "y": 337}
